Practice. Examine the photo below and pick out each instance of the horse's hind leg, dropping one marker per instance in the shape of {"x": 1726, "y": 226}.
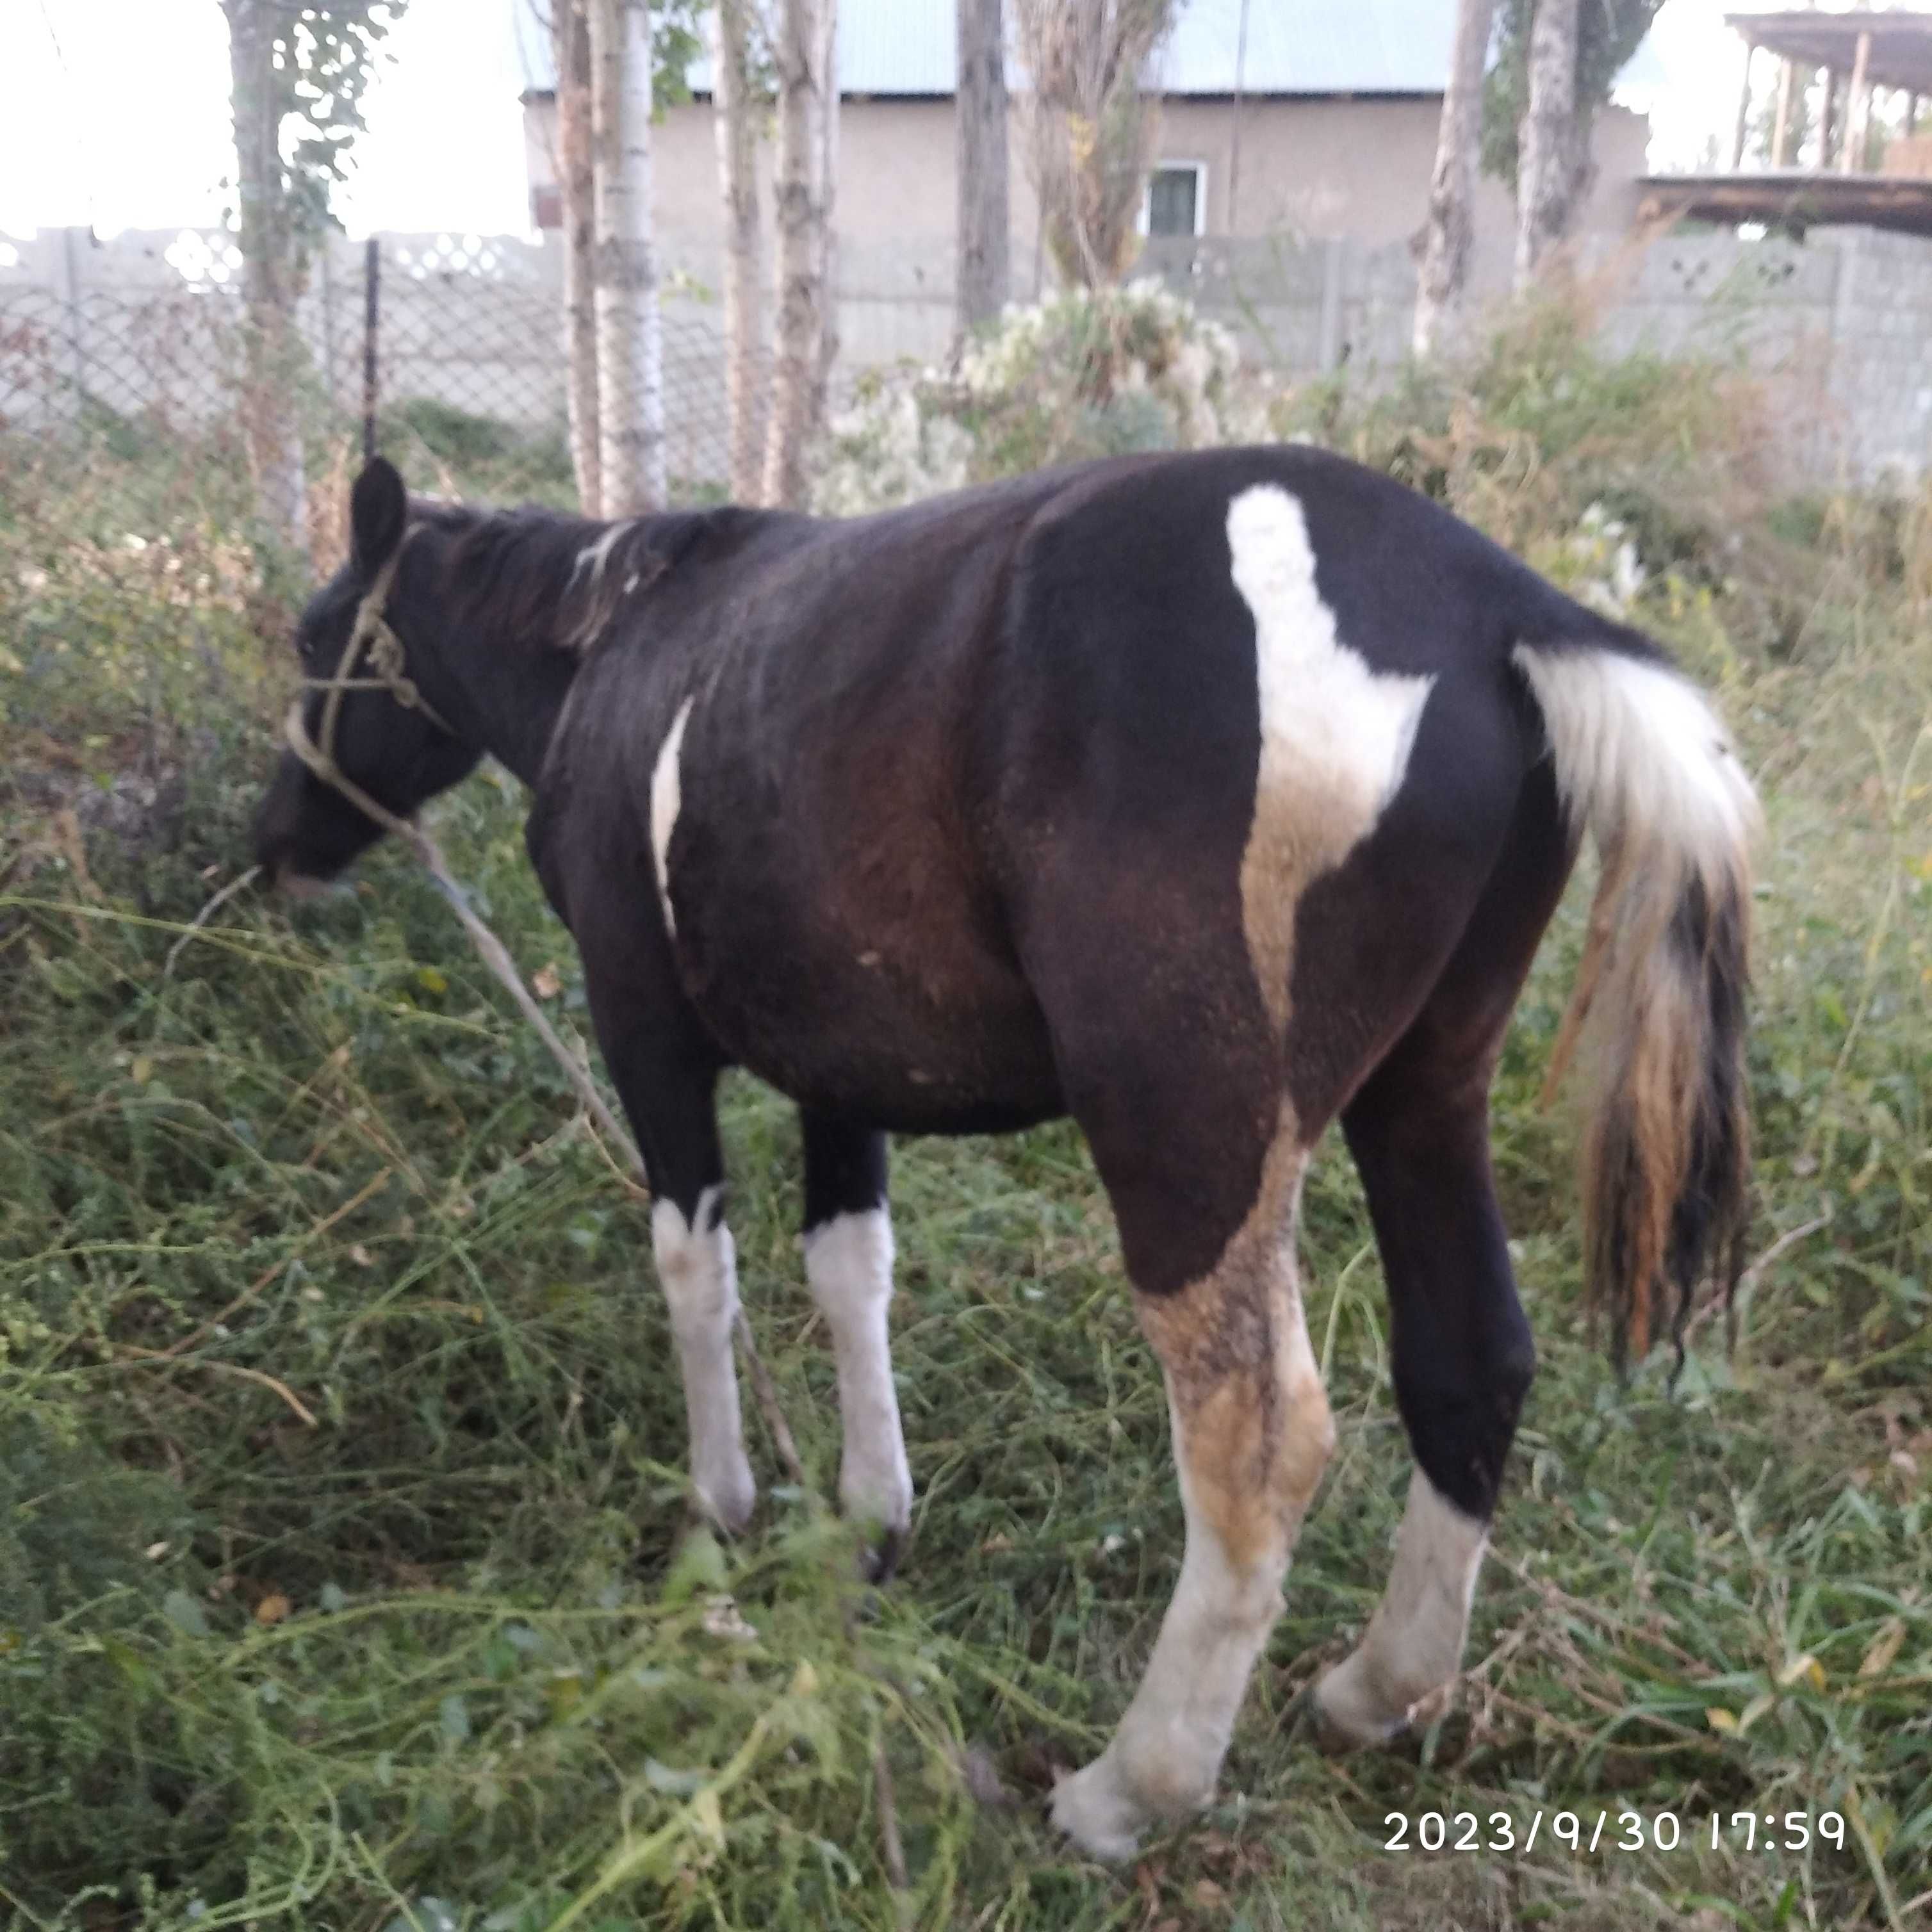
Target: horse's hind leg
{"x": 1461, "y": 1350}
{"x": 1252, "y": 1434}
{"x": 1167, "y": 1064}
{"x": 848, "y": 1262}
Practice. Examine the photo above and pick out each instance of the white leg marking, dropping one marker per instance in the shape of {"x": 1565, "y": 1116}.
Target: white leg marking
{"x": 848, "y": 1262}
{"x": 1407, "y": 1660}
{"x": 1165, "y": 1757}
{"x": 697, "y": 1268}
{"x": 666, "y": 797}
{"x": 597, "y": 555}
{"x": 1335, "y": 734}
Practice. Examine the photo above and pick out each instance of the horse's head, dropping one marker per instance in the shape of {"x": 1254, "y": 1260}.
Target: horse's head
{"x": 363, "y": 716}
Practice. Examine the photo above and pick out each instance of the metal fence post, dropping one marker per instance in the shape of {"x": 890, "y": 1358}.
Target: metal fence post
{"x": 70, "y": 295}
{"x": 372, "y": 310}
{"x": 1328, "y": 352}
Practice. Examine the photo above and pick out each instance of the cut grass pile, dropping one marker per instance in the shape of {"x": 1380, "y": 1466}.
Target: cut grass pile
{"x": 344, "y": 1575}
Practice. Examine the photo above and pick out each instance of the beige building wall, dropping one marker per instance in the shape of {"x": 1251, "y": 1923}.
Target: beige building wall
{"x": 1313, "y": 169}
{"x": 1332, "y": 169}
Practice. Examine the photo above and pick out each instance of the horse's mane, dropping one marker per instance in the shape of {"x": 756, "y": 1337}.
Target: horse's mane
{"x": 549, "y": 578}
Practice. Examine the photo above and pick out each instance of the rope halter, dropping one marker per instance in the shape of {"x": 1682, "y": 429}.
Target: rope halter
{"x": 371, "y": 631}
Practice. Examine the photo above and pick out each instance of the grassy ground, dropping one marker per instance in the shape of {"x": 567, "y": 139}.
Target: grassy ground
{"x": 344, "y": 1578}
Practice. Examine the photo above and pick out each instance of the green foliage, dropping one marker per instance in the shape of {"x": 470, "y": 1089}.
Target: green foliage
{"x": 1538, "y": 426}
{"x": 340, "y": 1443}
{"x": 1089, "y": 372}
{"x": 677, "y": 39}
{"x": 324, "y": 57}
{"x": 438, "y": 443}
{"x": 1609, "y": 32}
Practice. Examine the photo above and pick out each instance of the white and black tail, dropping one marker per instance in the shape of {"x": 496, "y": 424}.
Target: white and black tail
{"x": 1644, "y": 766}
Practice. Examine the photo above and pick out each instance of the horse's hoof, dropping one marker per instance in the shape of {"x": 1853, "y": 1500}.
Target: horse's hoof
{"x": 1102, "y": 1819}
{"x": 879, "y": 1556}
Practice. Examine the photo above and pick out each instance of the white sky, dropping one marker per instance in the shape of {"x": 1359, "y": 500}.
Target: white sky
{"x": 116, "y": 113}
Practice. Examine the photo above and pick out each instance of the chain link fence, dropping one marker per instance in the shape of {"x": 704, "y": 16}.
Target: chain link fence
{"x": 121, "y": 374}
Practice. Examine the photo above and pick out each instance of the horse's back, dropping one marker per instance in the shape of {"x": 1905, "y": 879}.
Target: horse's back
{"x": 1226, "y": 721}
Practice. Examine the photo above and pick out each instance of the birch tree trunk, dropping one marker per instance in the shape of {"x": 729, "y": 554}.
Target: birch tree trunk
{"x": 1548, "y": 175}
{"x": 826, "y": 63}
{"x": 630, "y": 346}
{"x": 576, "y": 178}
{"x": 1452, "y": 187}
{"x": 1090, "y": 129}
{"x": 798, "y": 49}
{"x": 744, "y": 265}
{"x": 272, "y": 348}
{"x": 983, "y": 277}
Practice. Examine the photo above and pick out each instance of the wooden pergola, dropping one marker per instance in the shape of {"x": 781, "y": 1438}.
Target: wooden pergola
{"x": 1892, "y": 49}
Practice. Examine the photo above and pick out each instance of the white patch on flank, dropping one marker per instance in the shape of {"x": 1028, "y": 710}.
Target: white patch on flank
{"x": 598, "y": 554}
{"x": 1335, "y": 734}
{"x": 1326, "y": 716}
{"x": 1408, "y": 1658}
{"x": 697, "y": 1268}
{"x": 632, "y": 582}
{"x": 1641, "y": 758}
{"x": 666, "y": 797}
{"x": 848, "y": 1262}
{"x": 1163, "y": 1760}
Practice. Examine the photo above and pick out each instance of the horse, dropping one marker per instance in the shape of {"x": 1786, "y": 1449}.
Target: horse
{"x": 1203, "y": 797}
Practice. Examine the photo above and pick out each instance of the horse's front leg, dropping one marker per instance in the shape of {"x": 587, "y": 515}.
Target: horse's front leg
{"x": 848, "y": 1262}
{"x": 666, "y": 1073}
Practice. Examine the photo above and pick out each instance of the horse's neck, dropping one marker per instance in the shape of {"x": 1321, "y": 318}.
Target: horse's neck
{"x": 513, "y": 689}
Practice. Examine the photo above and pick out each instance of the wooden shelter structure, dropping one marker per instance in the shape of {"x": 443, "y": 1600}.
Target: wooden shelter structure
{"x": 1859, "y": 53}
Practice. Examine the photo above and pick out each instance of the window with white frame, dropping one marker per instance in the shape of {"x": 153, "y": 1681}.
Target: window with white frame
{"x": 1175, "y": 202}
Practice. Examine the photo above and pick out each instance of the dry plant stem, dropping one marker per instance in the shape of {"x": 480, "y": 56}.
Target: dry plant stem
{"x": 894, "y": 1848}
{"x": 207, "y": 912}
{"x": 269, "y": 1274}
{"x": 288, "y": 1395}
{"x": 1748, "y": 1280}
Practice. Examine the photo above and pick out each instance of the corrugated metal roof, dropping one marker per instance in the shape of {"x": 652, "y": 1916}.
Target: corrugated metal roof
{"x": 1294, "y": 46}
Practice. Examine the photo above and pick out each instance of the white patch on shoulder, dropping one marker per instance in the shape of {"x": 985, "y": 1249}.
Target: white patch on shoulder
{"x": 596, "y": 555}
{"x": 1336, "y": 733}
{"x": 666, "y": 796}
{"x": 1401, "y": 1671}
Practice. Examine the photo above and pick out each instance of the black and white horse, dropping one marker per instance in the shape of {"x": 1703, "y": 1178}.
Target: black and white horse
{"x": 1205, "y": 798}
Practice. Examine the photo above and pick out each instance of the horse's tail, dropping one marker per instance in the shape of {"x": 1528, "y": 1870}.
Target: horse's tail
{"x": 1643, "y": 765}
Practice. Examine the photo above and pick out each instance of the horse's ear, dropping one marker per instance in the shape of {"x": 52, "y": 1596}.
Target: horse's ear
{"x": 378, "y": 513}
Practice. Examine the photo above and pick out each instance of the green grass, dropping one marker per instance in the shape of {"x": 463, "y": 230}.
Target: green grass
{"x": 345, "y": 1578}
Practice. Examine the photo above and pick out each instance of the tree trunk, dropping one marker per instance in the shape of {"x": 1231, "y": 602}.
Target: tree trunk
{"x": 983, "y": 277}
{"x": 1089, "y": 129}
{"x": 1547, "y": 178}
{"x": 270, "y": 280}
{"x": 744, "y": 267}
{"x": 630, "y": 346}
{"x": 826, "y": 62}
{"x": 1452, "y": 187}
{"x": 797, "y": 48}
{"x": 577, "y": 177}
